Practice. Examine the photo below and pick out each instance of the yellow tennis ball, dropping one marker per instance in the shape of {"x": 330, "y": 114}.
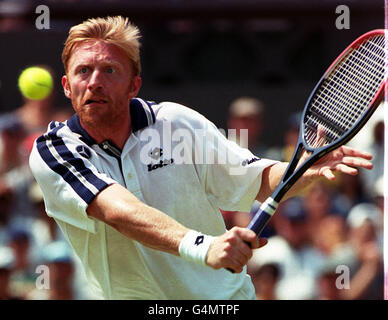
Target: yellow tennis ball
{"x": 35, "y": 83}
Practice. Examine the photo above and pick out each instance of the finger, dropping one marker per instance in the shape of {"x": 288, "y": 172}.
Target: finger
{"x": 246, "y": 235}
{"x": 223, "y": 254}
{"x": 240, "y": 243}
{"x": 328, "y": 174}
{"x": 347, "y": 170}
{"x": 238, "y": 258}
{"x": 348, "y": 151}
{"x": 321, "y": 137}
{"x": 262, "y": 242}
{"x": 235, "y": 269}
{"x": 357, "y": 162}
{"x": 236, "y": 261}
{"x": 244, "y": 249}
{"x": 253, "y": 241}
{"x": 236, "y": 265}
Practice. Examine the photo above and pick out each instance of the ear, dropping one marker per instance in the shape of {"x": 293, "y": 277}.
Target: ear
{"x": 135, "y": 87}
{"x": 66, "y": 87}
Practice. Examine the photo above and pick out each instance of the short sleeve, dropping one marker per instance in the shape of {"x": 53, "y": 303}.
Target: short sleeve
{"x": 232, "y": 176}
{"x": 68, "y": 181}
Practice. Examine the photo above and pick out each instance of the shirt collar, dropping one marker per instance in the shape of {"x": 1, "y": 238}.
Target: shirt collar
{"x": 142, "y": 116}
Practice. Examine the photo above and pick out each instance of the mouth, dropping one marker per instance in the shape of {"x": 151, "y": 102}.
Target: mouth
{"x": 98, "y": 101}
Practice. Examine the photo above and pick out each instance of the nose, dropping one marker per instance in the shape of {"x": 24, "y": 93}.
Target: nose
{"x": 95, "y": 81}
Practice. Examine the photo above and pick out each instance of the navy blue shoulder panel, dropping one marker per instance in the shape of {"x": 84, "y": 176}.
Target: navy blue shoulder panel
{"x": 71, "y": 168}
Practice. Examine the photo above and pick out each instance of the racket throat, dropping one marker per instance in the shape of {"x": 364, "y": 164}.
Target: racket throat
{"x": 296, "y": 156}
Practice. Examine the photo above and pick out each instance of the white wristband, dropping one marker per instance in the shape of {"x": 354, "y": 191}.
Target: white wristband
{"x": 194, "y": 246}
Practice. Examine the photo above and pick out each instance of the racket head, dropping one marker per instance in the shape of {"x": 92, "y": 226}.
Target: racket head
{"x": 340, "y": 121}
{"x": 329, "y": 119}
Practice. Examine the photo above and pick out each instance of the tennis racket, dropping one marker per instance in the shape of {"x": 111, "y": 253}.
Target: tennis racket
{"x": 341, "y": 103}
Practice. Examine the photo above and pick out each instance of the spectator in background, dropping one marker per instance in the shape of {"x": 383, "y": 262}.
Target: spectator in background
{"x": 326, "y": 284}
{"x": 7, "y": 263}
{"x": 45, "y": 233}
{"x": 29, "y": 120}
{"x": 371, "y": 139}
{"x": 366, "y": 237}
{"x": 265, "y": 278}
{"x": 247, "y": 113}
{"x": 59, "y": 258}
{"x": 6, "y": 200}
{"x": 15, "y": 175}
{"x": 299, "y": 262}
{"x": 23, "y": 275}
{"x": 290, "y": 138}
{"x": 332, "y": 237}
{"x": 378, "y": 194}
{"x": 12, "y": 134}
{"x": 18, "y": 130}
{"x": 354, "y": 245}
{"x": 319, "y": 202}
{"x": 332, "y": 240}
{"x": 376, "y": 147}
{"x": 349, "y": 191}
{"x": 42, "y": 227}
{"x": 246, "y": 117}
{"x": 14, "y": 22}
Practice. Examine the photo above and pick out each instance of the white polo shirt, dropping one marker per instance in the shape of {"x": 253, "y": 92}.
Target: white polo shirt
{"x": 168, "y": 162}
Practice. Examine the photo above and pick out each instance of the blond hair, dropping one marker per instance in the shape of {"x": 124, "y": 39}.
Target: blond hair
{"x": 115, "y": 30}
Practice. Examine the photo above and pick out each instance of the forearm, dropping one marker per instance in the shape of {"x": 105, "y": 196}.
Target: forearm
{"x": 123, "y": 211}
{"x": 344, "y": 159}
{"x": 272, "y": 176}
{"x": 117, "y": 207}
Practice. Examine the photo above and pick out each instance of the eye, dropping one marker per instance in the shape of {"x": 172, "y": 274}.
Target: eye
{"x": 83, "y": 70}
{"x": 110, "y": 70}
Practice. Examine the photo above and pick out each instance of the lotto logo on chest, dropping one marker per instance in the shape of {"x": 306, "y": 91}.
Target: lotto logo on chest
{"x": 157, "y": 154}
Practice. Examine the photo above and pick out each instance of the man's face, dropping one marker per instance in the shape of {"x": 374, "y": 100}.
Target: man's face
{"x": 100, "y": 83}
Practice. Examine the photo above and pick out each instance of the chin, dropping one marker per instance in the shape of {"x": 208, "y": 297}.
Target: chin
{"x": 93, "y": 117}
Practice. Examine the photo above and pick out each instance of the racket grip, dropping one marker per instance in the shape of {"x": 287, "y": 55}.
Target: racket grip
{"x": 262, "y": 216}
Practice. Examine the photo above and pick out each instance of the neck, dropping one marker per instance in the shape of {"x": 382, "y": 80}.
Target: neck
{"x": 118, "y": 133}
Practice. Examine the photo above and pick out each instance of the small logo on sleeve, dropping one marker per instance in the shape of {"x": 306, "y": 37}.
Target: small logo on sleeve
{"x": 249, "y": 161}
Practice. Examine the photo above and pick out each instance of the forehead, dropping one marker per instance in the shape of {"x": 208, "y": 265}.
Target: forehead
{"x": 98, "y": 51}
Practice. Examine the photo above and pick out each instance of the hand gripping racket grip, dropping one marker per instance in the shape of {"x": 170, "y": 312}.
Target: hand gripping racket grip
{"x": 261, "y": 218}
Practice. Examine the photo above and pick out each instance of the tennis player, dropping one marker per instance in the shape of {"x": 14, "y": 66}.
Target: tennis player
{"x": 144, "y": 222}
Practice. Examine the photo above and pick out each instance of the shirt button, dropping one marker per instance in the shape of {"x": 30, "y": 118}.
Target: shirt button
{"x": 129, "y": 176}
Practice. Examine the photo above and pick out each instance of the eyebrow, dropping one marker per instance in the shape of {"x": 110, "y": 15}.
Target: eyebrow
{"x": 104, "y": 63}
{"x": 111, "y": 63}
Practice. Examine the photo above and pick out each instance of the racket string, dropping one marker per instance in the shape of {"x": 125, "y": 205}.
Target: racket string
{"x": 347, "y": 92}
{"x": 365, "y": 78}
{"x": 351, "y": 93}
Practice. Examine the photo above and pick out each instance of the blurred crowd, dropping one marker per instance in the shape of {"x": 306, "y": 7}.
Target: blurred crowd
{"x": 325, "y": 244}
{"x": 35, "y": 260}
